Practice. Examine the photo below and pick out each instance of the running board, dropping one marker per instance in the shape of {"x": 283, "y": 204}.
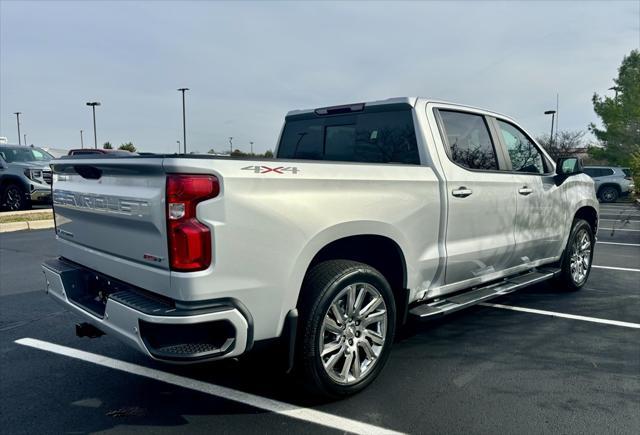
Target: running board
{"x": 480, "y": 294}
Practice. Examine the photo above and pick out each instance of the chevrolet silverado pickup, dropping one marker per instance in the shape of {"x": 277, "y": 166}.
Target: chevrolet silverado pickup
{"x": 371, "y": 215}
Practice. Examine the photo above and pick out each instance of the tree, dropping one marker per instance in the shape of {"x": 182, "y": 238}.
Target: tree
{"x": 565, "y": 144}
{"x": 238, "y": 153}
{"x": 268, "y": 154}
{"x": 127, "y": 147}
{"x": 107, "y": 146}
{"x": 635, "y": 167}
{"x": 620, "y": 115}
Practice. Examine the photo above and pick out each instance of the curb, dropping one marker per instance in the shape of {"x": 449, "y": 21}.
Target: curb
{"x": 29, "y": 225}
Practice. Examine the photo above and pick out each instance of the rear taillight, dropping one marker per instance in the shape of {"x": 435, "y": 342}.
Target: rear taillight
{"x": 189, "y": 239}
{"x": 628, "y": 178}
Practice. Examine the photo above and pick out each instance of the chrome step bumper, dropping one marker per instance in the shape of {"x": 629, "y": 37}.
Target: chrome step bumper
{"x": 156, "y": 328}
{"x": 481, "y": 294}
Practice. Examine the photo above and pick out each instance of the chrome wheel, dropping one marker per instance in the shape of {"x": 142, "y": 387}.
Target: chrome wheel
{"x": 580, "y": 259}
{"x": 353, "y": 333}
{"x": 13, "y": 198}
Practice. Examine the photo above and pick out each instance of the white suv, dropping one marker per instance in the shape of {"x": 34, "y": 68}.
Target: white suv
{"x": 611, "y": 182}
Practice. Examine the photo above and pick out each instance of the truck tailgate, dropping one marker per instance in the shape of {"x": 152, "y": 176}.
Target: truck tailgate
{"x": 110, "y": 215}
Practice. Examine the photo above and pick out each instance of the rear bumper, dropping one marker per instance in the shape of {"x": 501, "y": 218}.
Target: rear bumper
{"x": 160, "y": 328}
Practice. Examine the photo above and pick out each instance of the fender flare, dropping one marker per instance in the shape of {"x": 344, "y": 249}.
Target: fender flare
{"x": 329, "y": 235}
{"x": 15, "y": 179}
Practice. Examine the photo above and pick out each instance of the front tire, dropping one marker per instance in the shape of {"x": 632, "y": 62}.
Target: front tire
{"x": 578, "y": 256}
{"x": 13, "y": 198}
{"x": 347, "y": 327}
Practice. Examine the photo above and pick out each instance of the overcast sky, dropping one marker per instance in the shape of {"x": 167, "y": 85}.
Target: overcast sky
{"x": 248, "y": 63}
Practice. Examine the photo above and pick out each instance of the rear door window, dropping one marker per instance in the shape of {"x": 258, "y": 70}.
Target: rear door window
{"x": 368, "y": 137}
{"x": 469, "y": 141}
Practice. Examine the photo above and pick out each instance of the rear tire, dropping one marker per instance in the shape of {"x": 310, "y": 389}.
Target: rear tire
{"x": 577, "y": 258}
{"x": 347, "y": 326}
{"x": 609, "y": 194}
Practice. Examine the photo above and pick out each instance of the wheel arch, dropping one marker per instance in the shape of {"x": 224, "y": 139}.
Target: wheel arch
{"x": 378, "y": 247}
{"x": 609, "y": 184}
{"x": 589, "y": 214}
{"x": 13, "y": 179}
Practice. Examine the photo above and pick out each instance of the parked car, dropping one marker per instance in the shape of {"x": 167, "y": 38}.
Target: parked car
{"x": 25, "y": 177}
{"x": 611, "y": 182}
{"x": 371, "y": 215}
{"x": 84, "y": 151}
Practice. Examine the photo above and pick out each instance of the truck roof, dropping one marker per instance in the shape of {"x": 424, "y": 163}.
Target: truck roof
{"x": 412, "y": 101}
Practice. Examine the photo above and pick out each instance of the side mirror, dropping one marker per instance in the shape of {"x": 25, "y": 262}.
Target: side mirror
{"x": 566, "y": 167}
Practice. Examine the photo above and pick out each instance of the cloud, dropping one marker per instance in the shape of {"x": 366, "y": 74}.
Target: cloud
{"x": 248, "y": 63}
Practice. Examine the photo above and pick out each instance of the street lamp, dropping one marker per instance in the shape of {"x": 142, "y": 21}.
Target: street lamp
{"x": 93, "y": 105}
{"x": 81, "y": 140}
{"x": 25, "y": 138}
{"x": 18, "y": 120}
{"x": 230, "y": 145}
{"x": 553, "y": 116}
{"x": 251, "y": 143}
{"x": 178, "y": 142}
{"x": 184, "y": 121}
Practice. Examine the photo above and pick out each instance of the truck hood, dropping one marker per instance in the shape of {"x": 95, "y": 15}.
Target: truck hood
{"x": 31, "y": 165}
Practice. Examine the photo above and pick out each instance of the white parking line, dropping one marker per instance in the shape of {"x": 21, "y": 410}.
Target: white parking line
{"x": 616, "y": 243}
{"x": 619, "y": 210}
{"x": 616, "y": 229}
{"x": 563, "y": 315}
{"x": 275, "y": 406}
{"x": 622, "y": 269}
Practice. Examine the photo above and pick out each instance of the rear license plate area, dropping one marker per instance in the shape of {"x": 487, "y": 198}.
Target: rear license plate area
{"x": 91, "y": 291}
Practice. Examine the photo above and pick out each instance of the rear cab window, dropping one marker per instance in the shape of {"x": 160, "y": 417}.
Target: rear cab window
{"x": 379, "y": 134}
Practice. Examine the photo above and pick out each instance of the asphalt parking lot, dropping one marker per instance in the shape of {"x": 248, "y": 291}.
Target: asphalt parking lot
{"x": 540, "y": 360}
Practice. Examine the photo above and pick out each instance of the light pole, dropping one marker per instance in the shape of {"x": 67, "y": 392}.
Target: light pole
{"x": 18, "y": 120}
{"x": 230, "y": 145}
{"x": 553, "y": 116}
{"x": 184, "y": 121}
{"x": 251, "y": 143}
{"x": 93, "y": 105}
{"x": 81, "y": 140}
{"x": 25, "y": 138}
{"x": 178, "y": 142}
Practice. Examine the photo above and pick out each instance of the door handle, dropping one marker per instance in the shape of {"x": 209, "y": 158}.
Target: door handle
{"x": 461, "y": 192}
{"x": 525, "y": 190}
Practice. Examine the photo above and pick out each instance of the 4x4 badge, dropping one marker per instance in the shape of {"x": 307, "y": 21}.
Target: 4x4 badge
{"x": 267, "y": 169}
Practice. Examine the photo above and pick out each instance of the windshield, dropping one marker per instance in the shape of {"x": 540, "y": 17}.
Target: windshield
{"x": 24, "y": 154}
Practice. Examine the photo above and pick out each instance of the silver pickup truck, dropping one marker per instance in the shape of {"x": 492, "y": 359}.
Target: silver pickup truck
{"x": 371, "y": 215}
